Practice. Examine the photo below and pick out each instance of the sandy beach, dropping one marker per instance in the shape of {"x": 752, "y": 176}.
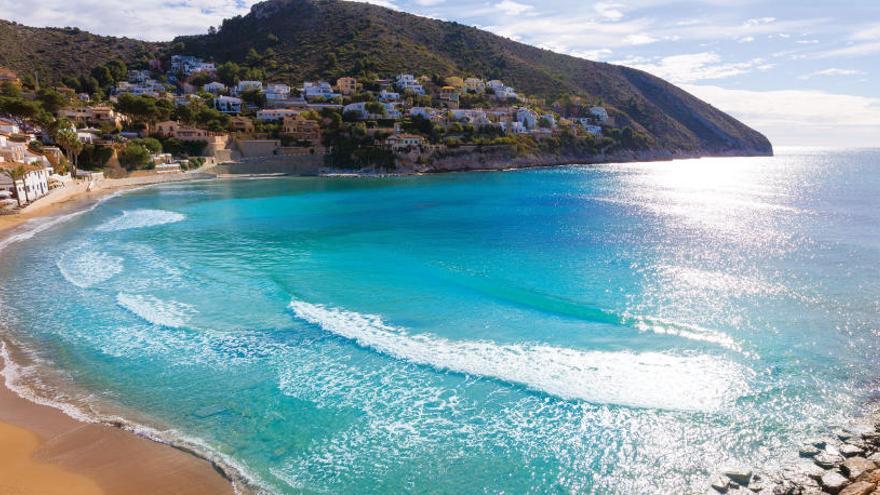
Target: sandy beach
{"x": 46, "y": 451}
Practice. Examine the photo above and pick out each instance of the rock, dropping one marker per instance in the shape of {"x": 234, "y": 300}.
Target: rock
{"x": 833, "y": 482}
{"x": 859, "y": 488}
{"x": 819, "y": 443}
{"x": 811, "y": 470}
{"x": 849, "y": 450}
{"x": 875, "y": 458}
{"x": 827, "y": 461}
{"x": 856, "y": 466}
{"x": 843, "y": 434}
{"x": 720, "y": 483}
{"x": 739, "y": 475}
{"x": 808, "y": 451}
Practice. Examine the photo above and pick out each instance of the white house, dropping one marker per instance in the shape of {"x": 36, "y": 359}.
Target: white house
{"x": 360, "y": 110}
{"x": 214, "y": 87}
{"x": 248, "y": 86}
{"x": 318, "y": 89}
{"x": 276, "y": 92}
{"x": 423, "y": 112}
{"x": 228, "y": 104}
{"x": 388, "y": 96}
{"x": 9, "y": 127}
{"x": 407, "y": 82}
{"x": 476, "y": 117}
{"x": 526, "y": 117}
{"x": 138, "y": 76}
{"x": 404, "y": 142}
{"x": 274, "y": 114}
{"x": 501, "y": 91}
{"x": 600, "y": 114}
{"x": 475, "y": 85}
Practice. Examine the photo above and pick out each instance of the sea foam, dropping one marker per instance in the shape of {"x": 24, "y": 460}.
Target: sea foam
{"x": 136, "y": 219}
{"x": 650, "y": 379}
{"x": 171, "y": 314}
{"x": 84, "y": 268}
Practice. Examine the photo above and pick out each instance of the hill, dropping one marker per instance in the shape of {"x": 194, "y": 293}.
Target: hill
{"x": 305, "y": 39}
{"x": 55, "y": 53}
{"x": 295, "y": 40}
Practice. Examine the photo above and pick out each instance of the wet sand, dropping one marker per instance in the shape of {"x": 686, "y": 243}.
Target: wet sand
{"x": 44, "y": 451}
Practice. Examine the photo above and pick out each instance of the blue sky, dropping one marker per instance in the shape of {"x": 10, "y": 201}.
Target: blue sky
{"x": 803, "y": 72}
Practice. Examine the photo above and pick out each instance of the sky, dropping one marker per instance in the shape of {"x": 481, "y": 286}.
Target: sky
{"x": 804, "y": 72}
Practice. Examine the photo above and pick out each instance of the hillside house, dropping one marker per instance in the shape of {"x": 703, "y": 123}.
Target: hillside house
{"x": 600, "y": 114}
{"x": 214, "y": 87}
{"x": 275, "y": 114}
{"x": 450, "y": 96}
{"x": 475, "y": 85}
{"x": 301, "y": 129}
{"x": 318, "y": 89}
{"x": 346, "y": 86}
{"x": 405, "y": 143}
{"x": 526, "y": 117}
{"x": 388, "y": 96}
{"x": 241, "y": 124}
{"x": 248, "y": 86}
{"x": 228, "y": 104}
{"x": 275, "y": 92}
{"x": 407, "y": 82}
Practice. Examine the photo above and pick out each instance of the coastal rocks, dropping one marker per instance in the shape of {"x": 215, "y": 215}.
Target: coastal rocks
{"x": 859, "y": 488}
{"x": 833, "y": 482}
{"x": 854, "y": 467}
{"x": 827, "y": 460}
{"x": 850, "y": 450}
{"x": 845, "y": 463}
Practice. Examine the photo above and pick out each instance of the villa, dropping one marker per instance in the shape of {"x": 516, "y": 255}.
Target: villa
{"x": 406, "y": 82}
{"x": 347, "y": 86}
{"x": 214, "y": 87}
{"x": 248, "y": 86}
{"x": 274, "y": 114}
{"x": 228, "y": 104}
{"x": 600, "y": 114}
{"x": 319, "y": 89}
{"x": 302, "y": 129}
{"x": 404, "y": 142}
{"x": 277, "y": 92}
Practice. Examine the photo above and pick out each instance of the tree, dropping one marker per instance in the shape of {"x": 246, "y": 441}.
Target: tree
{"x": 374, "y": 108}
{"x": 151, "y": 144}
{"x": 51, "y": 100}
{"x": 65, "y": 136}
{"x": 134, "y": 157}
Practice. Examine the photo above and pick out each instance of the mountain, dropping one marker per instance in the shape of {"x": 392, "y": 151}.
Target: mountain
{"x": 311, "y": 38}
{"x": 295, "y": 40}
{"x": 54, "y": 53}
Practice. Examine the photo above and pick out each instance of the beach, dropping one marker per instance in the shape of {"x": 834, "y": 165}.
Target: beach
{"x": 45, "y": 451}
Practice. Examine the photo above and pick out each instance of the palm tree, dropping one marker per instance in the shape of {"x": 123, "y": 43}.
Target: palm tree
{"x": 17, "y": 172}
{"x": 66, "y": 137}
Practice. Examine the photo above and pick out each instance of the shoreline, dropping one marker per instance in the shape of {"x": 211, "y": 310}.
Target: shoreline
{"x": 64, "y": 447}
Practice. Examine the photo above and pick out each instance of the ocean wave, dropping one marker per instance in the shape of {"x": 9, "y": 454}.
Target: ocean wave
{"x": 649, "y": 380}
{"x": 171, "y": 314}
{"x": 136, "y": 219}
{"x": 85, "y": 268}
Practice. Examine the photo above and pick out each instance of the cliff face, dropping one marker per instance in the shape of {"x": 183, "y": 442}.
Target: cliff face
{"x": 327, "y": 38}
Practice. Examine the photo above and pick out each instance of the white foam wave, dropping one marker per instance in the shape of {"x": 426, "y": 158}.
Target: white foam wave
{"x": 85, "y": 269}
{"x": 171, "y": 314}
{"x": 697, "y": 333}
{"x": 136, "y": 219}
{"x": 652, "y": 380}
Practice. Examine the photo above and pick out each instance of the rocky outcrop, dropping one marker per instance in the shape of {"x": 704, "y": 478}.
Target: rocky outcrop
{"x": 845, "y": 463}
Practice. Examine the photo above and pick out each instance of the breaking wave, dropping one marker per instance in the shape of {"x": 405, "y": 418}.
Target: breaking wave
{"x": 650, "y": 380}
{"x": 85, "y": 269}
{"x": 136, "y": 219}
{"x": 171, "y": 314}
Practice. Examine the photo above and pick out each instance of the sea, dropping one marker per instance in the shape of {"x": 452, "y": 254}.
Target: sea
{"x": 610, "y": 329}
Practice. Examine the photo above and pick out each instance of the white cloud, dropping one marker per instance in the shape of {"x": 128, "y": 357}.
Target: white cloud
{"x": 747, "y": 39}
{"x": 795, "y": 117}
{"x": 509, "y": 7}
{"x": 640, "y": 39}
{"x": 832, "y": 72}
{"x": 759, "y": 21}
{"x": 429, "y": 3}
{"x": 608, "y": 10}
{"x": 693, "y": 67}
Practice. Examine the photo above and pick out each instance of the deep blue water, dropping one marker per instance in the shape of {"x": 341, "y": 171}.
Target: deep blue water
{"x": 611, "y": 329}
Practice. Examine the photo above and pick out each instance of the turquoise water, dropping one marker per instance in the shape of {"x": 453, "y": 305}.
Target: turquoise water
{"x": 610, "y": 329}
